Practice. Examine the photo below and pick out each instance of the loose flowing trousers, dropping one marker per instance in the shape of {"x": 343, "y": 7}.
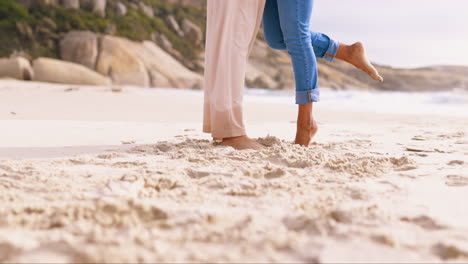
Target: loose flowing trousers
{"x": 232, "y": 27}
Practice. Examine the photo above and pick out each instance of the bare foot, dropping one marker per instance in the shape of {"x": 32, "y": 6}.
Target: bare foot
{"x": 305, "y": 134}
{"x": 356, "y": 55}
{"x": 241, "y": 143}
{"x": 306, "y": 125}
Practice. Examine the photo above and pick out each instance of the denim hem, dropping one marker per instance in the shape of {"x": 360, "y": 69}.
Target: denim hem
{"x": 305, "y": 97}
{"x": 332, "y": 50}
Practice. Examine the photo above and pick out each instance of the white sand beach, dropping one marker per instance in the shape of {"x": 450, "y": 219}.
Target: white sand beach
{"x": 90, "y": 175}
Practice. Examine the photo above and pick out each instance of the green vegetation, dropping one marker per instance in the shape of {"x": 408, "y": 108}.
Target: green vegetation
{"x": 38, "y": 30}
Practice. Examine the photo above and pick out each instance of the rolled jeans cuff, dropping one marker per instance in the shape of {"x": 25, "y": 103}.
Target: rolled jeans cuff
{"x": 305, "y": 97}
{"x": 332, "y": 50}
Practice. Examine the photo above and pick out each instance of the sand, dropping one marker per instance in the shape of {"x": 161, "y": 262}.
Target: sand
{"x": 90, "y": 175}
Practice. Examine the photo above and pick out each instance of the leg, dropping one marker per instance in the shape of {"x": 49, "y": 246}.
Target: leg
{"x": 321, "y": 43}
{"x": 324, "y": 47}
{"x": 231, "y": 30}
{"x": 294, "y": 16}
{"x": 306, "y": 125}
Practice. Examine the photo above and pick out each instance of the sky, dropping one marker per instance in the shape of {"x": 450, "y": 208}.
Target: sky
{"x": 399, "y": 33}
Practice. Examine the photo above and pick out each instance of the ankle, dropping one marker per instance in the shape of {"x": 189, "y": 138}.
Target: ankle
{"x": 309, "y": 125}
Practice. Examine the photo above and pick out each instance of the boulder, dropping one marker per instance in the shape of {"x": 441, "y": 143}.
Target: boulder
{"x": 80, "y": 47}
{"x": 121, "y": 9}
{"x": 172, "y": 22}
{"x": 256, "y": 78}
{"x": 30, "y": 3}
{"x": 97, "y": 6}
{"x": 162, "y": 41}
{"x": 25, "y": 30}
{"x": 143, "y": 64}
{"x": 159, "y": 80}
{"x": 71, "y": 4}
{"x": 200, "y": 4}
{"x": 17, "y": 67}
{"x": 56, "y": 71}
{"x": 132, "y": 5}
{"x": 148, "y": 10}
{"x": 117, "y": 60}
{"x": 157, "y": 60}
{"x": 192, "y": 32}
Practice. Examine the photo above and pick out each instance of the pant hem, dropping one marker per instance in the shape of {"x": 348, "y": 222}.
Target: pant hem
{"x": 332, "y": 50}
{"x": 306, "y": 97}
{"x": 225, "y": 134}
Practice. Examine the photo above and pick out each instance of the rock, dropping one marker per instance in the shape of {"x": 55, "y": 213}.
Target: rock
{"x": 200, "y": 4}
{"x": 48, "y": 23}
{"x": 162, "y": 41}
{"x": 117, "y": 60}
{"x": 111, "y": 29}
{"x": 80, "y": 47}
{"x": 17, "y": 67}
{"x": 100, "y": 7}
{"x": 25, "y": 30}
{"x": 121, "y": 9}
{"x": 97, "y": 6}
{"x": 148, "y": 10}
{"x": 143, "y": 64}
{"x": 71, "y": 4}
{"x": 30, "y": 3}
{"x": 133, "y": 6}
{"x": 159, "y": 80}
{"x": 56, "y": 71}
{"x": 192, "y": 32}
{"x": 157, "y": 60}
{"x": 174, "y": 25}
{"x": 256, "y": 78}
{"x": 264, "y": 81}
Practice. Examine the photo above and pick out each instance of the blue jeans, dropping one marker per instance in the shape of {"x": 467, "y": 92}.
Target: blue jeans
{"x": 286, "y": 24}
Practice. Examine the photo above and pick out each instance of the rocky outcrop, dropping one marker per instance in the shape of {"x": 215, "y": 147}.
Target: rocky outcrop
{"x": 341, "y": 75}
{"x": 17, "y": 68}
{"x": 80, "y": 47}
{"x": 56, "y": 71}
{"x": 117, "y": 60}
{"x": 176, "y": 51}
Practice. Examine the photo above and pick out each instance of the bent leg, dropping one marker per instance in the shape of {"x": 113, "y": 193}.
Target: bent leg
{"x": 231, "y": 30}
{"x": 324, "y": 47}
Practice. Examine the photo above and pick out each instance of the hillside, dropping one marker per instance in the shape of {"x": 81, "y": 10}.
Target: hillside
{"x": 155, "y": 33}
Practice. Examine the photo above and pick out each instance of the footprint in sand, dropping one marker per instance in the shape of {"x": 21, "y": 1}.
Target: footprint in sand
{"x": 425, "y": 222}
{"x": 456, "y": 181}
{"x": 449, "y": 252}
{"x": 456, "y": 162}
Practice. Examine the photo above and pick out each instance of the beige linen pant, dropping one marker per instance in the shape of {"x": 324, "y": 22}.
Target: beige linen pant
{"x": 232, "y": 27}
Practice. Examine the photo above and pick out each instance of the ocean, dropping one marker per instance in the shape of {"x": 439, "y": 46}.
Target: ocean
{"x": 452, "y": 103}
